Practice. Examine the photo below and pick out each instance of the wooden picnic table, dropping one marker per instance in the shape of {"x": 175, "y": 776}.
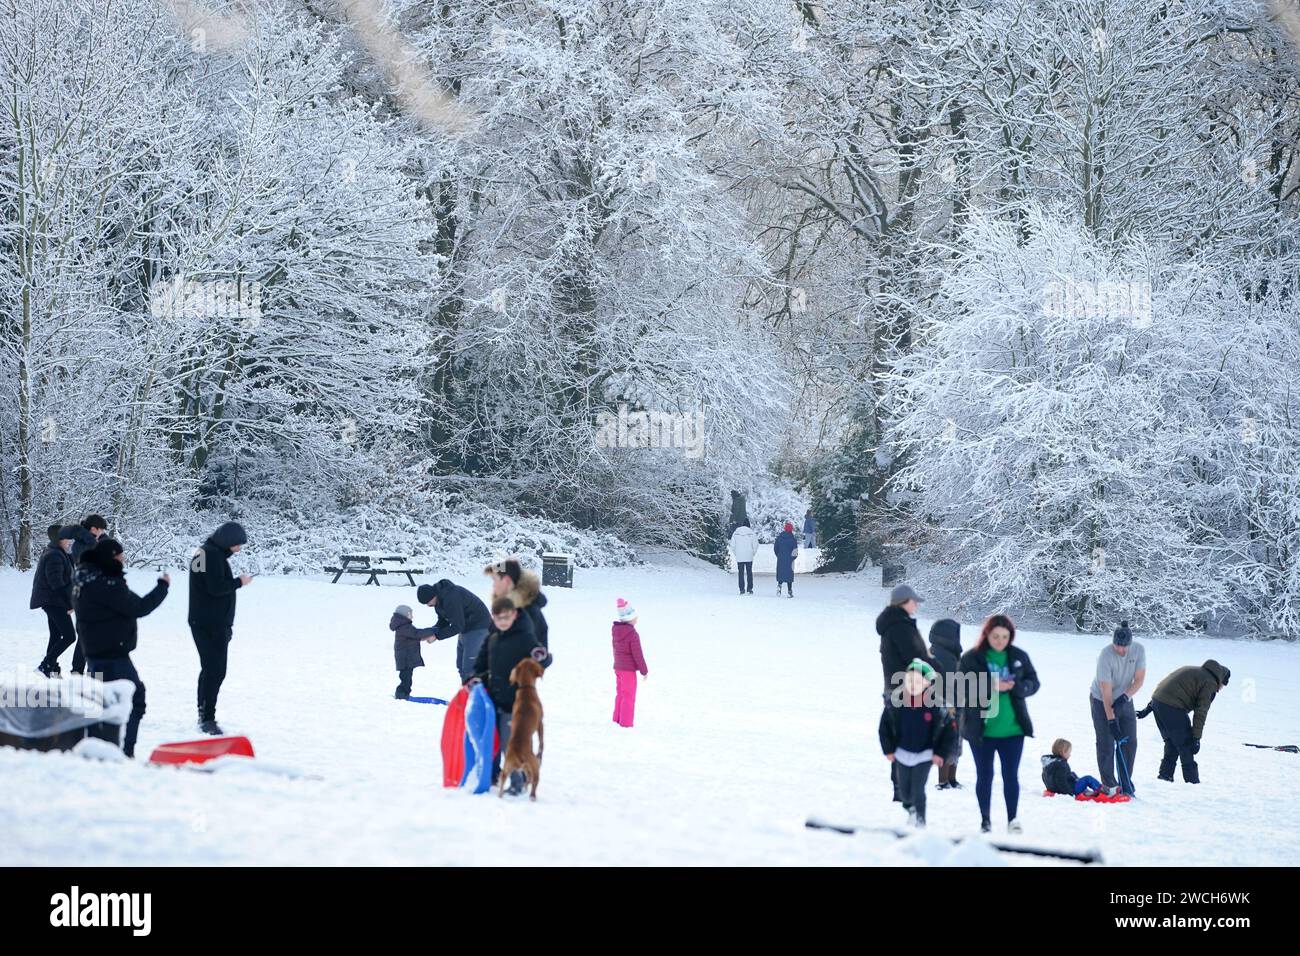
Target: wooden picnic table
{"x": 371, "y": 565}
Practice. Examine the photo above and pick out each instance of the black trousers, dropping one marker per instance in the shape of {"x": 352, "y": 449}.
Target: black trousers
{"x": 1176, "y": 729}
{"x": 1128, "y": 727}
{"x": 745, "y": 571}
{"x": 404, "y": 682}
{"x": 911, "y": 786}
{"x": 63, "y": 634}
{"x": 121, "y": 668}
{"x": 212, "y": 645}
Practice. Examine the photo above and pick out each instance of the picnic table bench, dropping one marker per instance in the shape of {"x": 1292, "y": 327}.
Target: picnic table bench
{"x": 372, "y": 565}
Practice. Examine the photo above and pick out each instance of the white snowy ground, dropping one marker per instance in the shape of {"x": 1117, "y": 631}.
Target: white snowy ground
{"x": 759, "y": 711}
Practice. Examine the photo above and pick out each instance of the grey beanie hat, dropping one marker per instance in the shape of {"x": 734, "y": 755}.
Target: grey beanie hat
{"x": 405, "y": 611}
{"x": 904, "y": 593}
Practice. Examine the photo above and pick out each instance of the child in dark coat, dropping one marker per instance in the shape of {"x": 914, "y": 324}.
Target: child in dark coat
{"x": 406, "y": 647}
{"x": 1057, "y": 776}
{"x": 945, "y": 649}
{"x": 916, "y": 732}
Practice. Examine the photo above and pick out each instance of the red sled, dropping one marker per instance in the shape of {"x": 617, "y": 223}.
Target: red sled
{"x": 1096, "y": 797}
{"x": 201, "y": 751}
{"x": 453, "y": 740}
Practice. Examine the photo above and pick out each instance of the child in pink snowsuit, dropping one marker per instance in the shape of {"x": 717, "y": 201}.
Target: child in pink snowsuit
{"x": 628, "y": 659}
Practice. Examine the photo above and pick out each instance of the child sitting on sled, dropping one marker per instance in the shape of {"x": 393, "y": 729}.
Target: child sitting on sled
{"x": 1058, "y": 778}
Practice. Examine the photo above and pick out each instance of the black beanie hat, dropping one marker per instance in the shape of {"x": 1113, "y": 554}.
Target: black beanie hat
{"x": 1123, "y": 636}
{"x": 229, "y": 534}
{"x": 94, "y": 521}
{"x": 53, "y": 531}
{"x": 424, "y": 592}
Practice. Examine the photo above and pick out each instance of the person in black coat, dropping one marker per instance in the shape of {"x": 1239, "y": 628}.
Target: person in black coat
{"x": 107, "y": 611}
{"x": 945, "y": 652}
{"x": 406, "y": 647}
{"x": 52, "y": 593}
{"x": 212, "y": 614}
{"x": 992, "y": 675}
{"x": 88, "y": 533}
{"x": 461, "y": 614}
{"x": 900, "y": 644}
{"x": 916, "y": 732}
{"x": 511, "y": 640}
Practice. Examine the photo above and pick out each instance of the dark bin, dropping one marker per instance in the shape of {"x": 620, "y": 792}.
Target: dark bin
{"x": 557, "y": 570}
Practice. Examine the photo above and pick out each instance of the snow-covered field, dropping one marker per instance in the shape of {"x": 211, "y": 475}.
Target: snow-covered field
{"x": 758, "y": 712}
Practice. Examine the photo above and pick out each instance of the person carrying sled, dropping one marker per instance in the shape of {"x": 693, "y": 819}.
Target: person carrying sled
{"x": 461, "y": 614}
{"x": 406, "y": 647}
{"x": 1187, "y": 690}
{"x": 744, "y": 545}
{"x": 914, "y": 734}
{"x": 52, "y": 594}
{"x": 1059, "y": 778}
{"x": 945, "y": 652}
{"x": 511, "y": 640}
{"x": 107, "y": 611}
{"x": 786, "y": 548}
{"x": 1121, "y": 671}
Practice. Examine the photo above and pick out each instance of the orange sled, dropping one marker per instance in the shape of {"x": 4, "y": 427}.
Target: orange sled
{"x": 1096, "y": 798}
{"x": 201, "y": 751}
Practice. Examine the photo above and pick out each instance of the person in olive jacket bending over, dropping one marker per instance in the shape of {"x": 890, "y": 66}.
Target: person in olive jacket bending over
{"x": 107, "y": 612}
{"x": 995, "y": 678}
{"x": 1188, "y": 690}
{"x": 212, "y": 614}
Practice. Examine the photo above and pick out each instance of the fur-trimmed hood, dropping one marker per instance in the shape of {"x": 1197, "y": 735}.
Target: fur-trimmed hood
{"x": 527, "y": 591}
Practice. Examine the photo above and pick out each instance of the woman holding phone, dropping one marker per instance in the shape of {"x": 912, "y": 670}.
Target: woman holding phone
{"x": 996, "y": 721}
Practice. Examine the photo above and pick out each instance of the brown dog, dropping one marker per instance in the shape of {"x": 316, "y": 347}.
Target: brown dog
{"x": 525, "y": 720}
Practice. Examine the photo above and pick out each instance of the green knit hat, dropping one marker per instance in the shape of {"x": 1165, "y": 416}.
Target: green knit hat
{"x": 921, "y": 667}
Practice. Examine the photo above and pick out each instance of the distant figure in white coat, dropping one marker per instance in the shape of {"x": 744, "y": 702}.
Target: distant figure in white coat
{"x": 744, "y": 545}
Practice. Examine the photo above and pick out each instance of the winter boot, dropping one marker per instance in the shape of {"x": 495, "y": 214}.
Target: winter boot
{"x": 954, "y": 785}
{"x": 1014, "y": 827}
{"x": 913, "y": 820}
{"x": 210, "y": 726}
{"x": 986, "y": 825}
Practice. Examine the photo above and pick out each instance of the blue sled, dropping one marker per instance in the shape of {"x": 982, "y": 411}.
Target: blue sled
{"x": 426, "y": 700}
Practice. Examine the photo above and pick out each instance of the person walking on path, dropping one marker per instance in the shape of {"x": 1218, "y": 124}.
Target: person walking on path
{"x": 1187, "y": 690}
{"x": 995, "y": 720}
{"x": 744, "y": 545}
{"x": 900, "y": 644}
{"x": 1121, "y": 671}
{"x": 108, "y": 611}
{"x": 461, "y": 614}
{"x": 628, "y": 661}
{"x": 52, "y": 593}
{"x": 945, "y": 651}
{"x": 809, "y": 530}
{"x": 212, "y": 614}
{"x": 786, "y": 548}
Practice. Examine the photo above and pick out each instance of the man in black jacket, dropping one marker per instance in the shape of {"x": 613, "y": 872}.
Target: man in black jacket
{"x": 212, "y": 614}
{"x": 511, "y": 640}
{"x": 107, "y": 611}
{"x": 460, "y": 612}
{"x": 900, "y": 644}
{"x": 52, "y": 593}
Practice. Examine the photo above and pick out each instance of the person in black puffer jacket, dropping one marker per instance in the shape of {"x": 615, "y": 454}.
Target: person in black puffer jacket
{"x": 509, "y": 642}
{"x": 107, "y": 612}
{"x": 945, "y": 650}
{"x": 52, "y": 593}
{"x": 900, "y": 644}
{"x": 212, "y": 614}
{"x": 1059, "y": 778}
{"x": 462, "y": 615}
